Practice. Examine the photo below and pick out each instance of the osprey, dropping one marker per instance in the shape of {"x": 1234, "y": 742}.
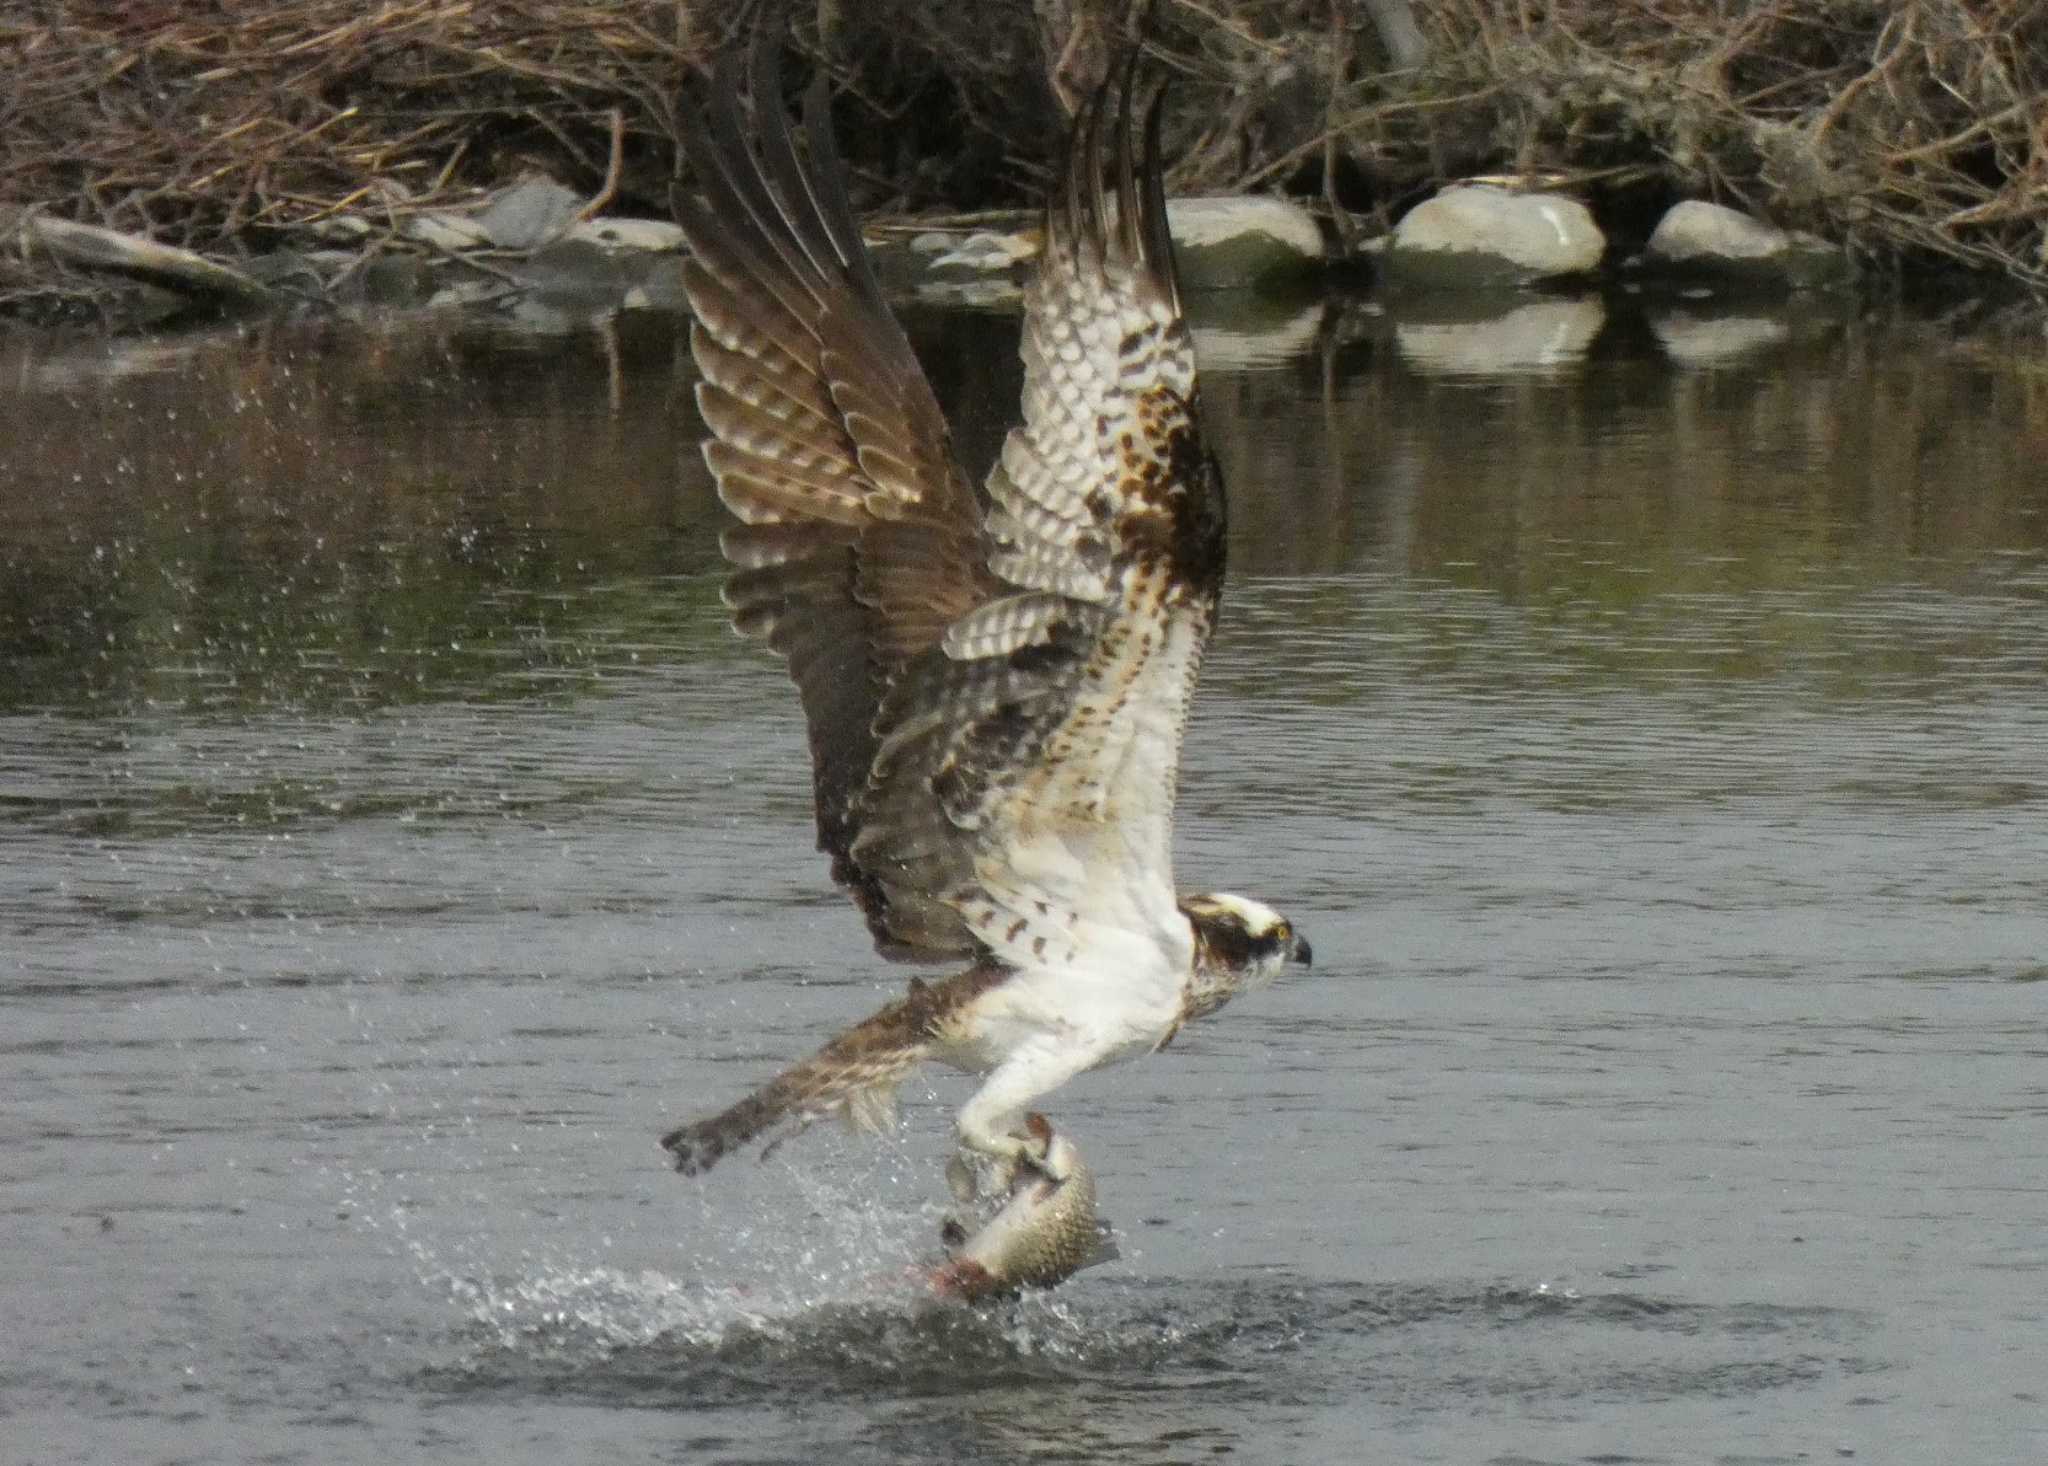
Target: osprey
{"x": 995, "y": 684}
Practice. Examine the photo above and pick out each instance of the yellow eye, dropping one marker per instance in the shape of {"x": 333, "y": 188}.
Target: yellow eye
{"x": 1283, "y": 931}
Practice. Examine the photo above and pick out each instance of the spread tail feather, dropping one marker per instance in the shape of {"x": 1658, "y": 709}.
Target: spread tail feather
{"x": 856, "y": 1074}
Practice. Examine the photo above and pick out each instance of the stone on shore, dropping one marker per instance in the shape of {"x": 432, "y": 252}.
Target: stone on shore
{"x": 653, "y": 236}
{"x": 1243, "y": 240}
{"x": 1228, "y": 243}
{"x": 1481, "y": 237}
{"x": 528, "y": 214}
{"x": 1696, "y": 240}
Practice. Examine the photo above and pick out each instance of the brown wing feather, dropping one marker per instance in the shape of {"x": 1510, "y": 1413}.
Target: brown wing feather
{"x": 1047, "y": 726}
{"x": 871, "y": 1058}
{"x": 970, "y": 687}
{"x": 860, "y": 539}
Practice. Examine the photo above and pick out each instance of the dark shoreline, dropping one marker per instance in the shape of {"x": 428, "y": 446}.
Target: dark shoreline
{"x": 1909, "y": 137}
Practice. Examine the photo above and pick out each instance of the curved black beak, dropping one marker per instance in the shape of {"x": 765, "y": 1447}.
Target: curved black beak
{"x": 1301, "y": 952}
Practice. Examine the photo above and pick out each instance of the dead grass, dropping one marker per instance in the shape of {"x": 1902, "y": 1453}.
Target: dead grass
{"x": 199, "y": 121}
{"x": 1914, "y": 131}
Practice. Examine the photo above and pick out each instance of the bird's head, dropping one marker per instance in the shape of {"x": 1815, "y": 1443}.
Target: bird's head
{"x": 1239, "y": 943}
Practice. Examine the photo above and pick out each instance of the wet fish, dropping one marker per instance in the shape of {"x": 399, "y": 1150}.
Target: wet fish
{"x": 1045, "y": 1231}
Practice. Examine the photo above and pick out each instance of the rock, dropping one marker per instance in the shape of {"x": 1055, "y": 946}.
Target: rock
{"x": 652, "y": 236}
{"x": 1227, "y": 243}
{"x": 977, "y": 271}
{"x": 984, "y": 293}
{"x": 1240, "y": 240}
{"x": 444, "y": 229}
{"x": 1479, "y": 237}
{"x": 983, "y": 251}
{"x": 522, "y": 216}
{"x": 529, "y": 214}
{"x": 340, "y": 229}
{"x": 1697, "y": 230}
{"x": 1702, "y": 241}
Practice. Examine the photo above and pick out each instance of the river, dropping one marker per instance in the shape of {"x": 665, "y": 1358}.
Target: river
{"x": 1644, "y": 711}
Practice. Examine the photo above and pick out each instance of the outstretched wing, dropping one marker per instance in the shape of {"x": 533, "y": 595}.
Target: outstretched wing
{"x": 860, "y": 538}
{"x": 1049, "y": 729}
{"x": 1016, "y": 684}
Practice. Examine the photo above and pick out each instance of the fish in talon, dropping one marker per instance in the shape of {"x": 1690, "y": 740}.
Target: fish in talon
{"x": 1045, "y": 1231}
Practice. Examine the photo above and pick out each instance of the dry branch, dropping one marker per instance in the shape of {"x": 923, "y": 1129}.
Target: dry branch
{"x": 85, "y": 244}
{"x": 1912, "y": 130}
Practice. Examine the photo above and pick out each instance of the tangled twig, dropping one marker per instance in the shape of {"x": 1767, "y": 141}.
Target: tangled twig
{"x": 1914, "y": 131}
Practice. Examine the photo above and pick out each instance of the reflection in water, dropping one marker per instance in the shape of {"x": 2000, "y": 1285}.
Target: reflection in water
{"x": 276, "y": 580}
{"x": 1540, "y": 336}
{"x": 1720, "y": 340}
{"x": 334, "y": 516}
{"x": 1649, "y": 733}
{"x": 349, "y": 518}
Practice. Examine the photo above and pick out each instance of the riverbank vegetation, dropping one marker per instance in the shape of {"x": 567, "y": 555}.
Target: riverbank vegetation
{"x": 1912, "y": 132}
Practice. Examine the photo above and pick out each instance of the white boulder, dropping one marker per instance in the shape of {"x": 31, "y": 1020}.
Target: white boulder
{"x": 1478, "y": 236}
{"x": 1696, "y": 239}
{"x": 1237, "y": 240}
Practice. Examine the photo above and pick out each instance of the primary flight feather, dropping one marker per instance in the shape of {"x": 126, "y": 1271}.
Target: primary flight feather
{"x": 995, "y": 683}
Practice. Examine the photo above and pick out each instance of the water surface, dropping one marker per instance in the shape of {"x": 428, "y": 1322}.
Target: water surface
{"x": 1644, "y": 714}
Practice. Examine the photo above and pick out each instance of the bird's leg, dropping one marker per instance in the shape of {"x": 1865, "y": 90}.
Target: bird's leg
{"x": 988, "y": 1162}
{"x": 961, "y": 1178}
{"x": 998, "y": 1131}
{"x": 982, "y": 1177}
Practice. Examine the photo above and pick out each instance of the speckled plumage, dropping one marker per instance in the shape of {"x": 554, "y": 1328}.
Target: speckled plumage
{"x": 995, "y": 684}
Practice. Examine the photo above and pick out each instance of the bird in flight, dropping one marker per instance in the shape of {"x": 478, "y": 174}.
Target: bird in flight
{"x": 996, "y": 681}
